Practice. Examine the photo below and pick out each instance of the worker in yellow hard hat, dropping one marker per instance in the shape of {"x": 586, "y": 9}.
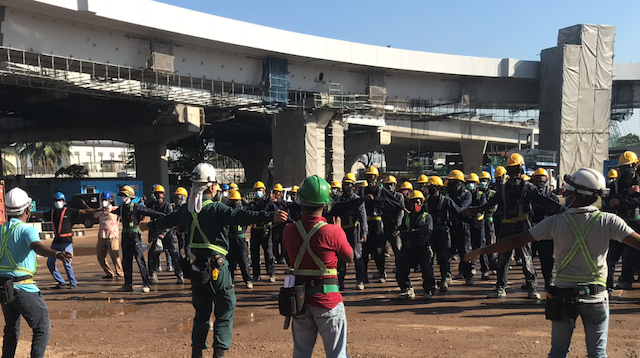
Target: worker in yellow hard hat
{"x": 543, "y": 248}
{"x": 612, "y": 175}
{"x": 336, "y": 189}
{"x": 278, "y": 203}
{"x": 354, "y": 225}
{"x": 423, "y": 183}
{"x": 514, "y": 199}
{"x": 180, "y": 198}
{"x": 405, "y": 190}
{"x": 624, "y": 200}
{"x": 295, "y": 210}
{"x": 460, "y": 230}
{"x": 478, "y": 237}
{"x": 376, "y": 243}
{"x": 391, "y": 220}
{"x": 261, "y": 236}
{"x": 238, "y": 248}
{"x": 500, "y": 174}
{"x": 166, "y": 239}
{"x": 489, "y": 215}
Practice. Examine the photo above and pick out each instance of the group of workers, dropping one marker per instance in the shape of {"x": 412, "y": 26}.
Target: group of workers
{"x": 473, "y": 217}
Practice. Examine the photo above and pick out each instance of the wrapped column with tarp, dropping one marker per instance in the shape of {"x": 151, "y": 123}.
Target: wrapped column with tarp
{"x": 576, "y": 78}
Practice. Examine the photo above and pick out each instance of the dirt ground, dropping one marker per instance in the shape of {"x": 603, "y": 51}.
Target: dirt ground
{"x": 96, "y": 321}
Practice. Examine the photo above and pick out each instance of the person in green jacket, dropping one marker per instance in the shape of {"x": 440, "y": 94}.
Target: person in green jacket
{"x": 206, "y": 223}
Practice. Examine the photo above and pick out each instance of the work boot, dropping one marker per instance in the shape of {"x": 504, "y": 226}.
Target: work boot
{"x": 375, "y": 276}
{"x": 249, "y": 284}
{"x": 533, "y": 294}
{"x": 272, "y": 279}
{"x": 468, "y": 282}
{"x": 170, "y": 268}
{"x": 146, "y": 289}
{"x": 486, "y": 276}
{"x": 218, "y": 352}
{"x": 444, "y": 286}
{"x": 428, "y": 295}
{"x": 154, "y": 278}
{"x": 473, "y": 271}
{"x": 449, "y": 280}
{"x": 499, "y": 292}
{"x": 341, "y": 287}
{"x": 407, "y": 294}
{"x": 360, "y": 286}
{"x": 59, "y": 286}
{"x": 125, "y": 288}
{"x": 256, "y": 278}
{"x": 459, "y": 276}
{"x": 196, "y": 353}
{"x": 624, "y": 285}
{"x": 107, "y": 276}
{"x": 180, "y": 280}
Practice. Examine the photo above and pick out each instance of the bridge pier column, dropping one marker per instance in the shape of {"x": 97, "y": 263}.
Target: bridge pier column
{"x": 255, "y": 157}
{"x": 472, "y": 155}
{"x": 357, "y": 145}
{"x": 151, "y": 166}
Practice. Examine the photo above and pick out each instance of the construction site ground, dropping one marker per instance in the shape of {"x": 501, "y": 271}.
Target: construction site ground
{"x": 94, "y": 320}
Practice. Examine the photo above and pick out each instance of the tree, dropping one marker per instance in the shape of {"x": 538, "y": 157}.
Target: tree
{"x": 190, "y": 152}
{"x": 46, "y": 154}
{"x": 73, "y": 171}
{"x": 629, "y": 140}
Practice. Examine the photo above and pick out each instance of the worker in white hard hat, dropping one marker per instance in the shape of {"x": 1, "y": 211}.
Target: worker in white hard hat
{"x": 20, "y": 297}
{"x": 581, "y": 237}
{"x": 206, "y": 221}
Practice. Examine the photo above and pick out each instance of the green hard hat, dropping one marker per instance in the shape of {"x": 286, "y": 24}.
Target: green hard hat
{"x": 314, "y": 191}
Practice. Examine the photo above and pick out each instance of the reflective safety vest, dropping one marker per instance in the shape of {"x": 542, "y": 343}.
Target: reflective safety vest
{"x": 206, "y": 244}
{"x": 131, "y": 227}
{"x": 306, "y": 247}
{"x": 407, "y": 220}
{"x": 6, "y": 233}
{"x": 581, "y": 245}
{"x": 59, "y": 230}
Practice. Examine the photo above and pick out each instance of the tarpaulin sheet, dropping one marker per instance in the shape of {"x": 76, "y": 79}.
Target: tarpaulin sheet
{"x": 337, "y": 150}
{"x": 288, "y": 141}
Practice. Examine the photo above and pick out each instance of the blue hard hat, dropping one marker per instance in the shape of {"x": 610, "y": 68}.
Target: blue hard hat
{"x": 105, "y": 195}
{"x": 59, "y": 196}
{"x": 225, "y": 187}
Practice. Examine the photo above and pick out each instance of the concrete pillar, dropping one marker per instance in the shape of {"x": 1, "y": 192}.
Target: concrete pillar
{"x": 355, "y": 145}
{"x": 254, "y": 155}
{"x": 472, "y": 155}
{"x": 151, "y": 166}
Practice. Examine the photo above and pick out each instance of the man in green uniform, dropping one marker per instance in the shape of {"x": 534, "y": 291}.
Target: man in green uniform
{"x": 207, "y": 225}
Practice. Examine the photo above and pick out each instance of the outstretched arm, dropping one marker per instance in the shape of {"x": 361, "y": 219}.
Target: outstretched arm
{"x": 509, "y": 243}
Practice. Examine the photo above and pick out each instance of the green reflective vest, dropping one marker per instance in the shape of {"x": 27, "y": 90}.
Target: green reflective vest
{"x": 581, "y": 245}
{"x": 205, "y": 244}
{"x": 6, "y": 232}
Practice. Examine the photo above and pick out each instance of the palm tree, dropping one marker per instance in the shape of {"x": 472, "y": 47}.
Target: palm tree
{"x": 7, "y": 167}
{"x": 46, "y": 154}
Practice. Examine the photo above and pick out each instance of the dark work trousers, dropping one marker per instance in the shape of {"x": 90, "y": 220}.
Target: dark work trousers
{"x": 490, "y": 235}
{"x": 391, "y": 236}
{"x": 461, "y": 244}
{"x": 132, "y": 248}
{"x": 279, "y": 253}
{"x": 478, "y": 240}
{"x": 182, "y": 245}
{"x": 619, "y": 250}
{"x": 374, "y": 246}
{"x": 218, "y": 297}
{"x": 411, "y": 257}
{"x": 544, "y": 249}
{"x": 169, "y": 243}
{"x": 504, "y": 258}
{"x": 30, "y": 306}
{"x": 441, "y": 240}
{"x": 239, "y": 256}
{"x": 353, "y": 236}
{"x": 261, "y": 239}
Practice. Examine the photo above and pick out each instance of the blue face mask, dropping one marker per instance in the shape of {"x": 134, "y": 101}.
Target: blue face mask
{"x": 259, "y": 194}
{"x": 471, "y": 186}
{"x": 484, "y": 185}
{"x": 153, "y": 197}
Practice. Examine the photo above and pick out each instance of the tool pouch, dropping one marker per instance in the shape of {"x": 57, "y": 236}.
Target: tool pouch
{"x": 7, "y": 292}
{"x": 291, "y": 301}
{"x": 553, "y": 308}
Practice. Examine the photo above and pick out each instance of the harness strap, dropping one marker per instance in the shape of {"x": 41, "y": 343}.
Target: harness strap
{"x": 195, "y": 224}
{"x": 306, "y": 247}
{"x": 407, "y": 222}
{"x": 6, "y": 233}
{"x": 581, "y": 245}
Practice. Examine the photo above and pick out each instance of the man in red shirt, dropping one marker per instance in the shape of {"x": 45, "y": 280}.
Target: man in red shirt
{"x": 314, "y": 246}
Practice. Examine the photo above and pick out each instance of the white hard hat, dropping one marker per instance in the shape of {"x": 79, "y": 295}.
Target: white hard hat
{"x": 586, "y": 181}
{"x": 203, "y": 173}
{"x": 16, "y": 201}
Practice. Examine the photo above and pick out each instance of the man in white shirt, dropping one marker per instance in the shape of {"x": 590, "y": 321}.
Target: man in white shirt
{"x": 581, "y": 239}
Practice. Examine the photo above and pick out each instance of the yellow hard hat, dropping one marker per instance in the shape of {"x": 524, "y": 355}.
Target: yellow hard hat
{"x": 612, "y": 174}
{"x": 234, "y": 195}
{"x": 500, "y": 171}
{"x": 295, "y": 189}
{"x": 364, "y": 184}
{"x": 259, "y": 185}
{"x": 541, "y": 171}
{"x": 336, "y": 184}
{"x": 216, "y": 187}
{"x": 515, "y": 159}
{"x": 373, "y": 170}
{"x": 233, "y": 186}
{"x": 277, "y": 187}
{"x": 436, "y": 180}
{"x": 128, "y": 191}
{"x": 390, "y": 179}
{"x": 627, "y": 157}
{"x": 158, "y": 189}
{"x": 423, "y": 179}
{"x": 349, "y": 178}
{"x": 416, "y": 194}
{"x": 473, "y": 177}
{"x": 406, "y": 185}
{"x": 457, "y": 175}
{"x": 485, "y": 175}
{"x": 525, "y": 177}
{"x": 181, "y": 191}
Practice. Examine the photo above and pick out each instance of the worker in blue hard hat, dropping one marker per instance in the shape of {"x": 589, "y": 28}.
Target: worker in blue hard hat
{"x": 225, "y": 195}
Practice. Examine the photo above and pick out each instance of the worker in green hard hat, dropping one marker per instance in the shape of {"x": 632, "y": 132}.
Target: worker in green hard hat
{"x": 316, "y": 268}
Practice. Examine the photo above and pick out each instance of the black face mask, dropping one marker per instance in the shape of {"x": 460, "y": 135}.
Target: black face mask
{"x": 628, "y": 173}
{"x": 452, "y": 186}
{"x": 433, "y": 191}
{"x": 513, "y": 171}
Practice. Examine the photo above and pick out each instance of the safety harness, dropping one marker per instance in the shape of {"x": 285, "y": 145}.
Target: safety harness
{"x": 131, "y": 228}
{"x": 581, "y": 245}
{"x": 206, "y": 244}
{"x": 59, "y": 231}
{"x": 323, "y": 269}
{"x": 407, "y": 222}
{"x": 6, "y": 232}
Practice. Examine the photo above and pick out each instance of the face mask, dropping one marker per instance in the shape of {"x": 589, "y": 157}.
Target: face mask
{"x": 405, "y": 192}
{"x": 484, "y": 185}
{"x": 334, "y": 191}
{"x": 180, "y": 199}
{"x": 629, "y": 173}
{"x": 105, "y": 203}
{"x": 153, "y": 197}
{"x": 566, "y": 205}
{"x": 371, "y": 181}
{"x": 452, "y": 186}
{"x": 513, "y": 171}
{"x": 471, "y": 186}
{"x": 417, "y": 207}
{"x": 259, "y": 194}
{"x": 225, "y": 194}
{"x": 58, "y": 205}
{"x": 126, "y": 200}
{"x": 433, "y": 191}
